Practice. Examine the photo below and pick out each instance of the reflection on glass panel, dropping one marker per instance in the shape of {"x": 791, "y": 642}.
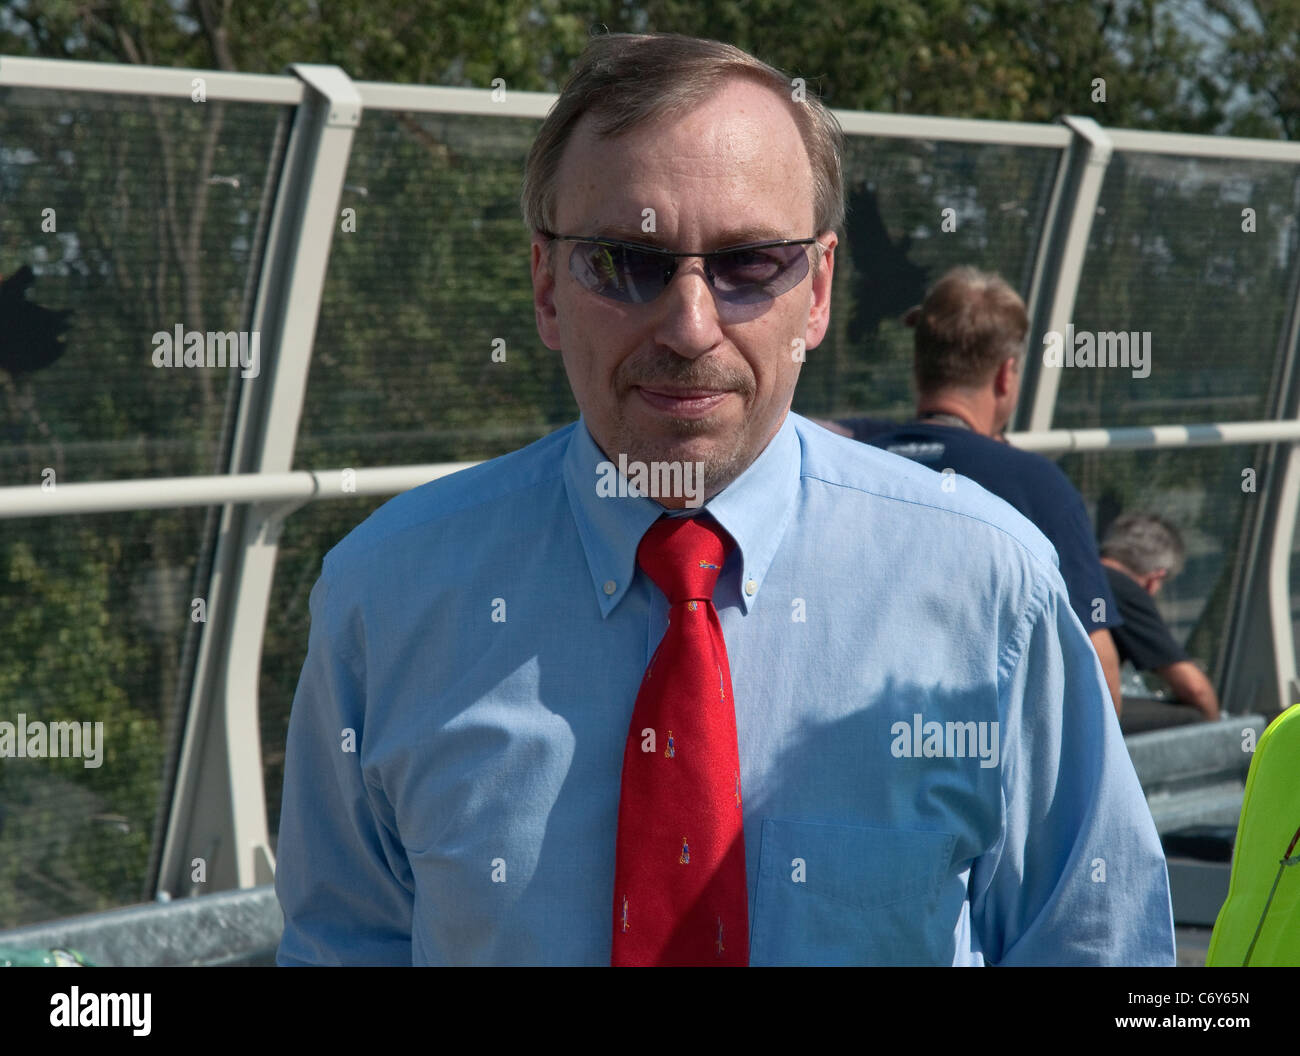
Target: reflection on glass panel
{"x": 896, "y": 243}
{"x": 140, "y": 216}
{"x": 97, "y": 617}
{"x": 1168, "y": 260}
{"x": 427, "y": 349}
{"x": 1198, "y": 490}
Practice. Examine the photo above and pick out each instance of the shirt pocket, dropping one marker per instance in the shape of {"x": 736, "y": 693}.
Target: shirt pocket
{"x": 867, "y": 896}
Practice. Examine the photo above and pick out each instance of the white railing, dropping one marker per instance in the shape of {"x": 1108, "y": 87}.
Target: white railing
{"x": 305, "y": 486}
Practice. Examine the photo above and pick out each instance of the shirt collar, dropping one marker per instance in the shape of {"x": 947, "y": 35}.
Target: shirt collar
{"x": 754, "y": 509}
{"x": 942, "y": 418}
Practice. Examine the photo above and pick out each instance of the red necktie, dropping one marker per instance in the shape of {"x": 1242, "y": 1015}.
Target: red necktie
{"x": 679, "y": 880}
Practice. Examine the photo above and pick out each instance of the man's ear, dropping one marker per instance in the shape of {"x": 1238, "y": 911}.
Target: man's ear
{"x": 819, "y": 312}
{"x": 548, "y": 326}
{"x": 1005, "y": 376}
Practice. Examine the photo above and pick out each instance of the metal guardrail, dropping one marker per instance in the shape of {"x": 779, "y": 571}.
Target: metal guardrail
{"x": 1196, "y": 774}
{"x": 1194, "y": 780}
{"x": 296, "y": 486}
{"x": 303, "y": 486}
{"x": 231, "y": 928}
{"x": 1059, "y": 441}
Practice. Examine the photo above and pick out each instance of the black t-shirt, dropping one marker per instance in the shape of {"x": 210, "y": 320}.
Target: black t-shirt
{"x": 1144, "y": 640}
{"x": 1034, "y": 485}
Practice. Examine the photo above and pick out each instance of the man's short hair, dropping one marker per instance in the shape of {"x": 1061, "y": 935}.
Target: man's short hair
{"x": 1145, "y": 543}
{"x": 625, "y": 80}
{"x": 969, "y": 322}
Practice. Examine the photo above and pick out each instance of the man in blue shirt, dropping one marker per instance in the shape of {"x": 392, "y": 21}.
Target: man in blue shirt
{"x": 930, "y": 775}
{"x": 970, "y": 334}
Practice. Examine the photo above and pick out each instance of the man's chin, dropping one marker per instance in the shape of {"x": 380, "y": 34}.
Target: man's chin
{"x": 693, "y": 447}
{"x": 704, "y": 462}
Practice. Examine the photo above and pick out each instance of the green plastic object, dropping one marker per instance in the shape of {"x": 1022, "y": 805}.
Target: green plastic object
{"x": 55, "y": 958}
{"x": 1259, "y": 924}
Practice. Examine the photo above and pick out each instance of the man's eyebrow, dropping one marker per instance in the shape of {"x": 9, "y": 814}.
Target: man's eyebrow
{"x": 733, "y": 236}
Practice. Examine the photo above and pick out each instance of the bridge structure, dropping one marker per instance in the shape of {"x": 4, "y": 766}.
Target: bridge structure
{"x": 164, "y": 515}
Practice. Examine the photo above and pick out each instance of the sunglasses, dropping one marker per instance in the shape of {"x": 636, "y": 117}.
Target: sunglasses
{"x": 636, "y": 274}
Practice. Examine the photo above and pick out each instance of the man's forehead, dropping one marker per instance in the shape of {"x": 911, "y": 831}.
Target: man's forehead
{"x": 737, "y": 156}
{"x": 731, "y": 105}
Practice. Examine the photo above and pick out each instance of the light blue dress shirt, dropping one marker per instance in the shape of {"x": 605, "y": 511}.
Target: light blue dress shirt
{"x": 931, "y": 767}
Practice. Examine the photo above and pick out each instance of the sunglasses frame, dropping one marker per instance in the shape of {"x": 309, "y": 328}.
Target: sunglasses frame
{"x": 673, "y": 256}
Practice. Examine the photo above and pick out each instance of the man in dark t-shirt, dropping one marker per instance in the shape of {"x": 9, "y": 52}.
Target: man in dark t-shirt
{"x": 970, "y": 334}
{"x": 1140, "y": 553}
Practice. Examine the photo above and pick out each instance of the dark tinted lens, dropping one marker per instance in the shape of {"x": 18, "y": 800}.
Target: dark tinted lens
{"x": 747, "y": 276}
{"x": 618, "y": 273}
{"x": 742, "y": 276}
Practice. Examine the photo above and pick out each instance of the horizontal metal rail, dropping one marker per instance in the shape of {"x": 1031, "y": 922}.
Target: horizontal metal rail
{"x": 166, "y": 81}
{"x": 1059, "y": 441}
{"x": 171, "y": 492}
{"x": 433, "y": 99}
{"x": 123, "y": 78}
{"x": 304, "y": 486}
{"x": 1134, "y": 141}
{"x": 959, "y": 130}
{"x": 511, "y": 102}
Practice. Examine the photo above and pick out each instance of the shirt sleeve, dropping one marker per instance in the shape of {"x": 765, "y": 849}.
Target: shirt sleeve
{"x": 342, "y": 876}
{"x": 1079, "y": 876}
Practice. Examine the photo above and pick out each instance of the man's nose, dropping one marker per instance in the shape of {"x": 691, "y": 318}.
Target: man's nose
{"x": 688, "y": 313}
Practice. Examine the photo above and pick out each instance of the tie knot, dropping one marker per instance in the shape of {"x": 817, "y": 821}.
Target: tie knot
{"x": 683, "y": 556}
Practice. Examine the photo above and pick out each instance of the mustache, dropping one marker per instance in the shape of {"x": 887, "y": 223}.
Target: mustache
{"x": 678, "y": 372}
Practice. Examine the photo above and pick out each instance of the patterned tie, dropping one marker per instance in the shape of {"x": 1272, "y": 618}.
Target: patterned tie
{"x": 679, "y": 882}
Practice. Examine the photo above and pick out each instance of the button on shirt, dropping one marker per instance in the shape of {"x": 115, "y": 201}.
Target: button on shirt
{"x": 933, "y": 772}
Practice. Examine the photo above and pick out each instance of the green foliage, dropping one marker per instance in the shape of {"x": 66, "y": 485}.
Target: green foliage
{"x": 73, "y": 837}
{"x": 1028, "y": 60}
